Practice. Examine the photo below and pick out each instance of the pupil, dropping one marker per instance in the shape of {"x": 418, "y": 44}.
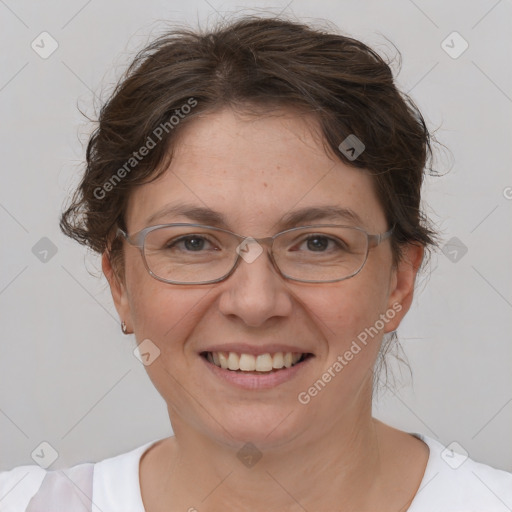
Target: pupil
{"x": 321, "y": 243}
{"x": 197, "y": 245}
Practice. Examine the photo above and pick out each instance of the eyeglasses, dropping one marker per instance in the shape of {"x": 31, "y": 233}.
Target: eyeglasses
{"x": 195, "y": 254}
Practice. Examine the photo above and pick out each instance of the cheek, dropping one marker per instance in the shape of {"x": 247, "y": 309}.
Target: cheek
{"x": 347, "y": 310}
{"x": 155, "y": 306}
{"x": 350, "y": 321}
{"x": 164, "y": 313}
{"x": 349, "y": 316}
{"x": 167, "y": 315}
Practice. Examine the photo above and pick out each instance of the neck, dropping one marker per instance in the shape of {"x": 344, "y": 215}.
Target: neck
{"x": 341, "y": 459}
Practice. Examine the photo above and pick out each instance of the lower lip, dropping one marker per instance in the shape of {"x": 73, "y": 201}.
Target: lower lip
{"x": 257, "y": 381}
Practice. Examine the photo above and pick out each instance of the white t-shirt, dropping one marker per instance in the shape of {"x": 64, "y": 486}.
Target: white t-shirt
{"x": 451, "y": 483}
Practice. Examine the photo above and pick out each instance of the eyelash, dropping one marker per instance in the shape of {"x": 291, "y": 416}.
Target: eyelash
{"x": 307, "y": 238}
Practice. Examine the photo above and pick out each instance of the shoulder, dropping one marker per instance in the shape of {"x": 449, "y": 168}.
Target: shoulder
{"x": 113, "y": 482}
{"x": 455, "y": 482}
{"x": 32, "y": 488}
{"x": 18, "y": 485}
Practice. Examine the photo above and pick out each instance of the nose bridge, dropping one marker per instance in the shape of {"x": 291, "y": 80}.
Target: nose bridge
{"x": 263, "y": 248}
{"x": 252, "y": 291}
{"x": 265, "y": 241}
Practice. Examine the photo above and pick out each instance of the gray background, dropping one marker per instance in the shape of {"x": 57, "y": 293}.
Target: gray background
{"x": 67, "y": 374}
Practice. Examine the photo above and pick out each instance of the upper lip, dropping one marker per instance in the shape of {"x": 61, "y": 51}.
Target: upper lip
{"x": 244, "y": 348}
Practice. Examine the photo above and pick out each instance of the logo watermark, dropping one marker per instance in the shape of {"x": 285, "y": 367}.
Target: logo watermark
{"x": 304, "y": 397}
{"x": 151, "y": 141}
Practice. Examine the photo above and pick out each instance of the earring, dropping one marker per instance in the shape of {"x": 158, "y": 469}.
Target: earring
{"x": 124, "y": 328}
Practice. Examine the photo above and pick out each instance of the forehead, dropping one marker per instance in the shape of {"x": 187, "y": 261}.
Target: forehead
{"x": 254, "y": 171}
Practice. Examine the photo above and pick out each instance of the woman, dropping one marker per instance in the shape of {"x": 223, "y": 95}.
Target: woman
{"x": 254, "y": 193}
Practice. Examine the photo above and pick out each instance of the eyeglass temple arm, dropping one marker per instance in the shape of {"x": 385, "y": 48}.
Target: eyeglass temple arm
{"x": 377, "y": 239}
{"x": 129, "y": 239}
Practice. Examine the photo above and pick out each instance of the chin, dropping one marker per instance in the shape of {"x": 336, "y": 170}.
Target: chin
{"x": 264, "y": 425}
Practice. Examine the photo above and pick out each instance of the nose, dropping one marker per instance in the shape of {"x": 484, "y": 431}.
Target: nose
{"x": 255, "y": 291}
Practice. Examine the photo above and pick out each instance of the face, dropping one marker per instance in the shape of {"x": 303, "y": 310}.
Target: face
{"x": 254, "y": 171}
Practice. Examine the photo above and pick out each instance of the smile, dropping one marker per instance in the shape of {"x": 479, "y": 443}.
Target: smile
{"x": 262, "y": 363}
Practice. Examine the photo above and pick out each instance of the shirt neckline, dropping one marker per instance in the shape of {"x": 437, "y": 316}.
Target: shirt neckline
{"x": 112, "y": 482}
{"x": 116, "y": 482}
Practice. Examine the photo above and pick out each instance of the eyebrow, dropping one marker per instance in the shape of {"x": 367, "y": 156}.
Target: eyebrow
{"x": 204, "y": 215}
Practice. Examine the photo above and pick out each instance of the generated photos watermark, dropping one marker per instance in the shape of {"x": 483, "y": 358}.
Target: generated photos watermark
{"x": 304, "y": 397}
{"x": 151, "y": 141}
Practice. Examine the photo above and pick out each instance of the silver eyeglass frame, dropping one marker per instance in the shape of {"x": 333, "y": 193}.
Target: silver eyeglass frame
{"x": 138, "y": 240}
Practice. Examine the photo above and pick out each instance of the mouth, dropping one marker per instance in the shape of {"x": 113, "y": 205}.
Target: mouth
{"x": 261, "y": 364}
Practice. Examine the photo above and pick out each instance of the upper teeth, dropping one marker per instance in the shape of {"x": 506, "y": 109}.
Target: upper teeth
{"x": 251, "y": 363}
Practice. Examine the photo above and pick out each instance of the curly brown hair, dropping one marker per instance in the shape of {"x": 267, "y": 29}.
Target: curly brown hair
{"x": 252, "y": 62}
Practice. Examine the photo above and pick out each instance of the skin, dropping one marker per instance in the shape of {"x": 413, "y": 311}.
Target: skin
{"x": 327, "y": 455}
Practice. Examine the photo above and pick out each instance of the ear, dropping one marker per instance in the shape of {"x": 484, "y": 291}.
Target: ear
{"x": 402, "y": 283}
{"x": 118, "y": 290}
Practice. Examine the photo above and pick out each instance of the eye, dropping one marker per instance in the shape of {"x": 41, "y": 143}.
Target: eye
{"x": 190, "y": 243}
{"x": 321, "y": 243}
{"x": 317, "y": 243}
